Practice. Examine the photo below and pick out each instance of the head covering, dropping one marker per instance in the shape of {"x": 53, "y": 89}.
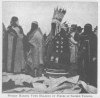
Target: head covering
{"x": 73, "y": 27}
{"x": 35, "y": 22}
{"x": 87, "y": 28}
{"x": 79, "y": 29}
{"x": 13, "y": 21}
{"x": 59, "y": 14}
{"x": 34, "y": 26}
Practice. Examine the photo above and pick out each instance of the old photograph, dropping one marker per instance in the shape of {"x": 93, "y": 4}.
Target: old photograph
{"x": 49, "y": 47}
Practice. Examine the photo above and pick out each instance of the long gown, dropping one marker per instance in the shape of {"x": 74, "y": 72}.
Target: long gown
{"x": 73, "y": 54}
{"x": 89, "y": 43}
{"x": 15, "y": 53}
{"x": 60, "y": 54}
{"x": 73, "y": 49}
{"x": 35, "y": 55}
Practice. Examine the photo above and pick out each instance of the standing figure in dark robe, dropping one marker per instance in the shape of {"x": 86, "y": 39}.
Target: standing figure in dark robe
{"x": 89, "y": 54}
{"x": 58, "y": 53}
{"x": 15, "y": 53}
{"x": 60, "y": 56}
{"x": 35, "y": 50}
{"x": 78, "y": 33}
{"x": 80, "y": 57}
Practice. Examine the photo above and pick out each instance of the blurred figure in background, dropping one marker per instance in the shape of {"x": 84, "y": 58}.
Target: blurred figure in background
{"x": 73, "y": 45}
{"x": 15, "y": 53}
{"x": 80, "y": 55}
{"x": 79, "y": 29}
{"x": 45, "y": 37}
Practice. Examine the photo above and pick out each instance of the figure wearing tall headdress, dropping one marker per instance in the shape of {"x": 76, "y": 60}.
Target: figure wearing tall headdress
{"x": 57, "y": 45}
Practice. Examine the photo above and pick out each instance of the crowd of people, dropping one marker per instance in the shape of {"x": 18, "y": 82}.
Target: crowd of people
{"x": 71, "y": 49}
{"x": 75, "y": 50}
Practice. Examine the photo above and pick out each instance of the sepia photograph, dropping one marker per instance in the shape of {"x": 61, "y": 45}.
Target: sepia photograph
{"x": 49, "y": 47}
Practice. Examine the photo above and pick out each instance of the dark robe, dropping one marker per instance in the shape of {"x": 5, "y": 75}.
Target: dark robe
{"x": 58, "y": 53}
{"x": 48, "y": 44}
{"x": 88, "y": 50}
{"x": 73, "y": 45}
{"x": 15, "y": 51}
{"x": 35, "y": 52}
{"x": 4, "y": 49}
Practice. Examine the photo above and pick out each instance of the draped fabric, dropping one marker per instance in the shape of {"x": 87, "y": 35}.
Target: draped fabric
{"x": 15, "y": 55}
{"x": 89, "y": 48}
{"x": 35, "y": 55}
{"x": 73, "y": 49}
